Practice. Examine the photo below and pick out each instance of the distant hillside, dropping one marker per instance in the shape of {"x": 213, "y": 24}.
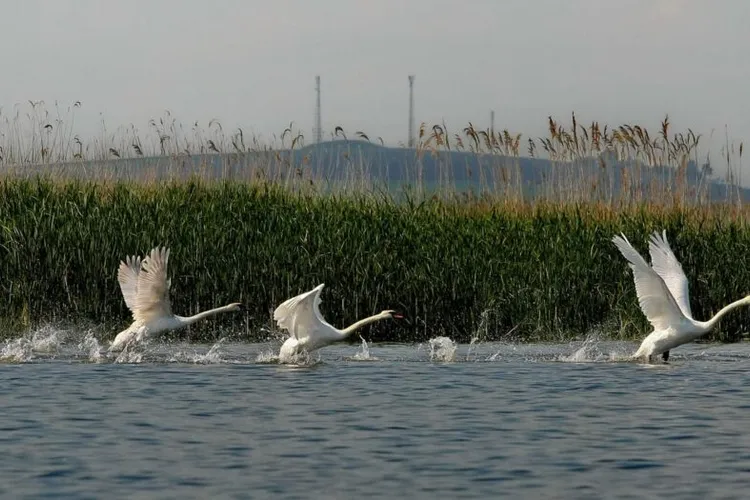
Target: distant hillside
{"x": 351, "y": 161}
{"x": 463, "y": 169}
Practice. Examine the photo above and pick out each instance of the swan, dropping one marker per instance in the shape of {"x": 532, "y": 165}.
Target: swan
{"x": 145, "y": 288}
{"x": 301, "y": 317}
{"x": 662, "y": 290}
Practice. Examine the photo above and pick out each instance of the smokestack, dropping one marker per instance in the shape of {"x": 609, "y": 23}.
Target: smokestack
{"x": 411, "y": 111}
{"x": 317, "y": 129}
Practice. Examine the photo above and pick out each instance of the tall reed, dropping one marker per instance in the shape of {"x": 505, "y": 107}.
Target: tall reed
{"x": 617, "y": 165}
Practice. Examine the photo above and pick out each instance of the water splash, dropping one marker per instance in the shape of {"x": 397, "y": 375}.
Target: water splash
{"x": 364, "y": 354}
{"x": 267, "y": 357}
{"x": 214, "y": 355}
{"x": 300, "y": 358}
{"x": 90, "y": 345}
{"x": 495, "y": 356}
{"x": 17, "y": 351}
{"x": 617, "y": 356}
{"x": 482, "y": 335}
{"x": 442, "y": 349}
{"x": 131, "y": 354}
{"x": 45, "y": 340}
{"x": 483, "y": 327}
{"x": 586, "y": 353}
{"x": 474, "y": 340}
{"x": 594, "y": 348}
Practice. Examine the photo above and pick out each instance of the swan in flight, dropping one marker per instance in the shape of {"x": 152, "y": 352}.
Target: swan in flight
{"x": 145, "y": 288}
{"x": 662, "y": 290}
{"x": 301, "y": 317}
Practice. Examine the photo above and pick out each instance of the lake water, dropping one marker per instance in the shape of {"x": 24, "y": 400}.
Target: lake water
{"x": 393, "y": 421}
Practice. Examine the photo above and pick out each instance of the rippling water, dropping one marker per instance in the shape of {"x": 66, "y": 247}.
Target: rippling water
{"x": 431, "y": 420}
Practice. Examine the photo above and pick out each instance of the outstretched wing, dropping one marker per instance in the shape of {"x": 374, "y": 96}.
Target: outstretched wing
{"x": 654, "y": 297}
{"x": 127, "y": 276}
{"x": 668, "y": 267}
{"x": 300, "y": 315}
{"x": 152, "y": 295}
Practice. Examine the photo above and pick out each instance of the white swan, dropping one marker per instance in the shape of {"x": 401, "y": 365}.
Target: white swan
{"x": 662, "y": 290}
{"x": 301, "y": 317}
{"x": 145, "y": 288}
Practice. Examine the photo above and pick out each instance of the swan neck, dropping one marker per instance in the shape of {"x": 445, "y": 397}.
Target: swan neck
{"x": 359, "y": 324}
{"x": 708, "y": 325}
{"x": 187, "y": 320}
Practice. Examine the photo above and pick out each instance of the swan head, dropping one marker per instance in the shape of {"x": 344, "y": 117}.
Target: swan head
{"x": 236, "y": 306}
{"x": 391, "y": 314}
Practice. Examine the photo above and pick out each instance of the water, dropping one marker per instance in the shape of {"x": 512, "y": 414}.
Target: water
{"x": 432, "y": 420}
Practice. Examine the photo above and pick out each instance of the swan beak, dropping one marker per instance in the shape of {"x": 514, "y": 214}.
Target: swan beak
{"x": 397, "y": 316}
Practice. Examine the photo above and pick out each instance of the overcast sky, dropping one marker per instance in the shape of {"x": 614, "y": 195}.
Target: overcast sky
{"x": 252, "y": 63}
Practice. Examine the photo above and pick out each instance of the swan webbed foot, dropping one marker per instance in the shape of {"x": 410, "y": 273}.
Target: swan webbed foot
{"x": 665, "y": 356}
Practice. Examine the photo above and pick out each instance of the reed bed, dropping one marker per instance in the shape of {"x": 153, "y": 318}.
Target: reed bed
{"x": 489, "y": 269}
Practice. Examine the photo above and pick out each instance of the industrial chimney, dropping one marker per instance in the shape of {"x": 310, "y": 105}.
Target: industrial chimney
{"x": 411, "y": 141}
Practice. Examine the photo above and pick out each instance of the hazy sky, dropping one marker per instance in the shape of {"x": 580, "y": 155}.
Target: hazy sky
{"x": 253, "y": 63}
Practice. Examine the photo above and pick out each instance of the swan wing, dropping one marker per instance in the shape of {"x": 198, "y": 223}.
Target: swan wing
{"x": 654, "y": 297}
{"x": 300, "y": 315}
{"x": 669, "y": 268}
{"x": 127, "y": 276}
{"x": 152, "y": 295}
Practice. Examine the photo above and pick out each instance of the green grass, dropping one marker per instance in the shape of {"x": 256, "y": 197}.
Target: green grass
{"x": 458, "y": 267}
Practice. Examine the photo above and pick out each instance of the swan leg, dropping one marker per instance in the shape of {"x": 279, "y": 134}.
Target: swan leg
{"x": 665, "y": 356}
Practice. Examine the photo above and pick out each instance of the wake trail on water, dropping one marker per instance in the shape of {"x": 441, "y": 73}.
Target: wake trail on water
{"x": 214, "y": 355}
{"x": 49, "y": 343}
{"x": 594, "y": 350}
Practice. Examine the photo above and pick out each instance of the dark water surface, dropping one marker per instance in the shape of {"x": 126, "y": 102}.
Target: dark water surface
{"x": 499, "y": 420}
